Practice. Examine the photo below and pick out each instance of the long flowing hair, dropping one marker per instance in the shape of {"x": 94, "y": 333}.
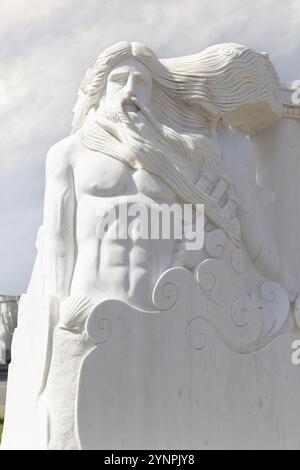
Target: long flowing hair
{"x": 189, "y": 94}
{"x": 191, "y": 91}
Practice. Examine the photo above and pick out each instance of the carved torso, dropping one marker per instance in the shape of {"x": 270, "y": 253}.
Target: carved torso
{"x": 122, "y": 268}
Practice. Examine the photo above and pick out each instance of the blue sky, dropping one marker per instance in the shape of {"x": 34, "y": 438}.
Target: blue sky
{"x": 46, "y": 47}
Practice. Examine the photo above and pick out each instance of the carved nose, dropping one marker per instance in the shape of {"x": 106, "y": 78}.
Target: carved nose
{"x": 129, "y": 87}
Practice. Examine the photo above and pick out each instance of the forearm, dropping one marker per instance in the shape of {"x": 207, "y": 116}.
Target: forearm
{"x": 59, "y": 242}
{"x": 59, "y": 265}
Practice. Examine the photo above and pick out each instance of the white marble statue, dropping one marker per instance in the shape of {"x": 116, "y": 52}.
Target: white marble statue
{"x": 125, "y": 335}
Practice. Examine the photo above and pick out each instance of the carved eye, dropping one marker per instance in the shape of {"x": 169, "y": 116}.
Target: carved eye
{"x": 140, "y": 81}
{"x": 121, "y": 80}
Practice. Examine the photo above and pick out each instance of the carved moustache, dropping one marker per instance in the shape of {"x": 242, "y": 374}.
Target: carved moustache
{"x": 130, "y": 100}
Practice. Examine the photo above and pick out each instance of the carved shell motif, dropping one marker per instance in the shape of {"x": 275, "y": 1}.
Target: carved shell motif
{"x": 74, "y": 312}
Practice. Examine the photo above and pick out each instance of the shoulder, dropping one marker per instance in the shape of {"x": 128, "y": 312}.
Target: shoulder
{"x": 59, "y": 157}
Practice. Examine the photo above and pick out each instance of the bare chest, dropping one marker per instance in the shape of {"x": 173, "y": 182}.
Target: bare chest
{"x": 102, "y": 176}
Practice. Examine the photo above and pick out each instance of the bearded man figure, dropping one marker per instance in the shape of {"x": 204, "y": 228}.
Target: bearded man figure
{"x": 141, "y": 135}
{"x": 144, "y": 132}
{"x": 121, "y": 152}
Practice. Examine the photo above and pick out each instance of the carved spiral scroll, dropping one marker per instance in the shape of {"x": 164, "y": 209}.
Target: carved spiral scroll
{"x": 99, "y": 328}
{"x": 215, "y": 243}
{"x": 195, "y": 334}
{"x": 165, "y": 296}
{"x": 270, "y": 291}
{"x": 241, "y": 312}
{"x": 169, "y": 286}
{"x": 275, "y": 299}
{"x": 205, "y": 277}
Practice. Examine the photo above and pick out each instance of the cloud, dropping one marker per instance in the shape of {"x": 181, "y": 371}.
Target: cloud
{"x": 46, "y": 46}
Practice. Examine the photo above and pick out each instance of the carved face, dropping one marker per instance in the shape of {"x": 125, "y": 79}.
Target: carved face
{"x": 129, "y": 84}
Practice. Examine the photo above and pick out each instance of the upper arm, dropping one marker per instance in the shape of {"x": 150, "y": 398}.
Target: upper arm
{"x": 59, "y": 194}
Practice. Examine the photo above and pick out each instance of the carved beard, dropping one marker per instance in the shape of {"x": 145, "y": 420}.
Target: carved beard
{"x": 192, "y": 154}
{"x": 141, "y": 142}
{"x": 139, "y": 130}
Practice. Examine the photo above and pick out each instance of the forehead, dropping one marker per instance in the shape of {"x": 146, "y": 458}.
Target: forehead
{"x": 129, "y": 65}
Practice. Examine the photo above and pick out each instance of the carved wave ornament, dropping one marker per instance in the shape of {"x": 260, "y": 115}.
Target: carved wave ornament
{"x": 246, "y": 319}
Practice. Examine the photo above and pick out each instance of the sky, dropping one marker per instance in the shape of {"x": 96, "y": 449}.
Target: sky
{"x": 46, "y": 47}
